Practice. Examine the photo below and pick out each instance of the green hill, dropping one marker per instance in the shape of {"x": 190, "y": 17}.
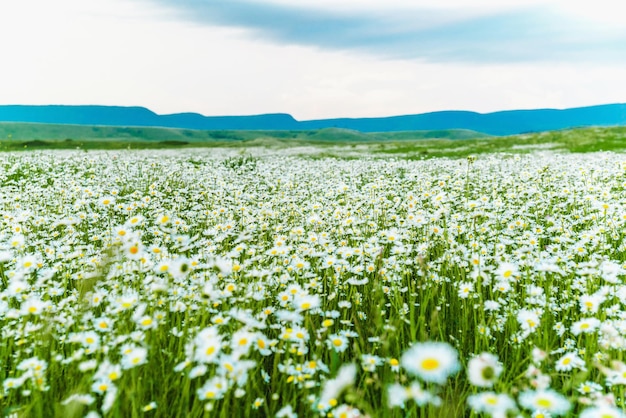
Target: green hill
{"x": 332, "y": 142}
{"x": 39, "y": 135}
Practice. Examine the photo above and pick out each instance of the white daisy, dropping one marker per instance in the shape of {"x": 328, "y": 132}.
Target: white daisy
{"x": 431, "y": 361}
{"x": 545, "y": 400}
{"x": 484, "y": 370}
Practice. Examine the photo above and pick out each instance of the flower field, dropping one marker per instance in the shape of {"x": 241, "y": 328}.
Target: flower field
{"x": 207, "y": 283}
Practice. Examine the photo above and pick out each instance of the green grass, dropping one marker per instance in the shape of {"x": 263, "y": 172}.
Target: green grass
{"x": 14, "y": 136}
{"x": 383, "y": 247}
{"x": 330, "y": 142}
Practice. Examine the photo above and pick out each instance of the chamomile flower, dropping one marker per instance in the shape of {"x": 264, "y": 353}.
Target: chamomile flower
{"x": 546, "y": 400}
{"x": 263, "y": 345}
{"x": 569, "y": 362}
{"x": 146, "y": 322}
{"x": 29, "y": 263}
{"x": 495, "y": 404}
{"x": 241, "y": 341}
{"x": 465, "y": 289}
{"x": 588, "y": 387}
{"x": 149, "y": 407}
{"x": 616, "y": 375}
{"x": 133, "y": 249}
{"x": 286, "y": 412}
{"x": 369, "y": 362}
{"x": 163, "y": 220}
{"x": 107, "y": 201}
{"x": 431, "y": 361}
{"x": 13, "y": 383}
{"x": 33, "y": 306}
{"x": 590, "y": 303}
{"x": 213, "y": 389}
{"x": 507, "y": 271}
{"x": 528, "y": 320}
{"x": 101, "y": 386}
{"x": 135, "y": 221}
{"x": 108, "y": 372}
{"x": 133, "y": 357}
{"x": 484, "y": 370}
{"x": 208, "y": 344}
{"x": 179, "y": 268}
{"x": 306, "y": 302}
{"x": 394, "y": 363}
{"x": 585, "y": 326}
{"x": 337, "y": 342}
{"x": 346, "y": 411}
{"x": 89, "y": 339}
{"x": 332, "y": 388}
{"x": 397, "y": 395}
{"x": 603, "y": 411}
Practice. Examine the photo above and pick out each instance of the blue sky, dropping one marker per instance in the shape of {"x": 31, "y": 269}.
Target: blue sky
{"x": 313, "y": 58}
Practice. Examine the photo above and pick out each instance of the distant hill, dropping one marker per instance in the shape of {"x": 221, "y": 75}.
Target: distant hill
{"x": 29, "y": 131}
{"x": 140, "y": 116}
{"x": 498, "y": 123}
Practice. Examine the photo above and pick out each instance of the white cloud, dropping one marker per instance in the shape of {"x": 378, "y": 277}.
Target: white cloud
{"x": 352, "y": 5}
{"x": 597, "y": 10}
{"x": 609, "y": 12}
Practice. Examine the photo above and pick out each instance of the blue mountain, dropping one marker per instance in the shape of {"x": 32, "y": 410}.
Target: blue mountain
{"x": 497, "y": 123}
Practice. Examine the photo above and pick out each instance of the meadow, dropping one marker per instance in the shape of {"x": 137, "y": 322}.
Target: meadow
{"x": 209, "y": 283}
{"x": 330, "y": 142}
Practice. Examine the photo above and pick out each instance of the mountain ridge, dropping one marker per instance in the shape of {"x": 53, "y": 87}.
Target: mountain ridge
{"x": 505, "y": 122}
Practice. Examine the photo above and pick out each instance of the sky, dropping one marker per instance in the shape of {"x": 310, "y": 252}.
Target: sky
{"x": 313, "y": 59}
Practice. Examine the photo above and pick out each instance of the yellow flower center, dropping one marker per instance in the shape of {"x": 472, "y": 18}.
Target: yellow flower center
{"x": 430, "y": 364}
{"x": 544, "y": 403}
